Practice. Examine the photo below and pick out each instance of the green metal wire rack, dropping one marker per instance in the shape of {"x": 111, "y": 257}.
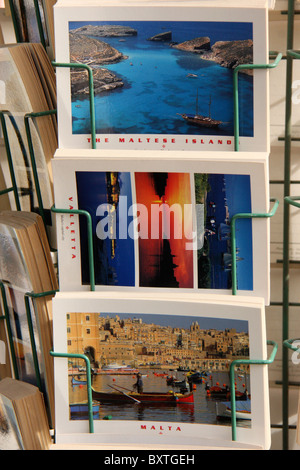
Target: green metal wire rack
{"x": 89, "y": 382}
{"x": 91, "y": 94}
{"x": 88, "y": 216}
{"x": 17, "y": 31}
{"x": 6, "y": 319}
{"x": 288, "y": 138}
{"x": 236, "y": 92}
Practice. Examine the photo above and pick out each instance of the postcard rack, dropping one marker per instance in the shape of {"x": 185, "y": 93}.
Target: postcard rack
{"x": 291, "y": 55}
{"x": 14, "y": 188}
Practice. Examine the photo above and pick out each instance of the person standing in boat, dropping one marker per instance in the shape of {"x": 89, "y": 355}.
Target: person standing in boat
{"x": 139, "y": 383}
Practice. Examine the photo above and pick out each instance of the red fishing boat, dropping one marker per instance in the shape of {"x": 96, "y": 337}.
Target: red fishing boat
{"x": 118, "y": 396}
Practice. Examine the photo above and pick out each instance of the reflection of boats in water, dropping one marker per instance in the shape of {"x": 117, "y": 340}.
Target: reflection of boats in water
{"x": 159, "y": 181}
{"x": 168, "y": 398}
{"x": 200, "y": 120}
{"x": 165, "y": 274}
{"x": 243, "y": 410}
{"x": 81, "y": 409}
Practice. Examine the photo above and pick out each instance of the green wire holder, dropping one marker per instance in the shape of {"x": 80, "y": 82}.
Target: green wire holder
{"x": 236, "y": 92}
{"x": 27, "y": 118}
{"x": 14, "y": 20}
{"x": 27, "y": 296}
{"x": 5, "y": 317}
{"x": 91, "y": 94}
{"x": 288, "y": 343}
{"x": 39, "y": 23}
{"x": 90, "y": 238}
{"x": 233, "y": 237}
{"x": 14, "y": 187}
{"x": 89, "y": 382}
{"x": 16, "y": 26}
{"x": 290, "y": 56}
{"x": 238, "y": 362}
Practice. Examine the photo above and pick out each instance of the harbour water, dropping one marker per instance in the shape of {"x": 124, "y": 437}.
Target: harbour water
{"x": 203, "y": 410}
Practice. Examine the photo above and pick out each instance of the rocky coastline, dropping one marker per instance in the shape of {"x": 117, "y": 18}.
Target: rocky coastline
{"x": 86, "y": 49}
{"x": 106, "y": 30}
{"x": 228, "y": 54}
{"x": 95, "y": 53}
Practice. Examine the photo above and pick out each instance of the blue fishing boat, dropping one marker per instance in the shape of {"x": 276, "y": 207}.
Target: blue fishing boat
{"x": 78, "y": 381}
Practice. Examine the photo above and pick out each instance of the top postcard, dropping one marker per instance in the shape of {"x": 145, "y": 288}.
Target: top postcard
{"x": 162, "y": 75}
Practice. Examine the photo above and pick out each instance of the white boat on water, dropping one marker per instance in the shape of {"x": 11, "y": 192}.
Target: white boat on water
{"x": 115, "y": 368}
{"x": 243, "y": 409}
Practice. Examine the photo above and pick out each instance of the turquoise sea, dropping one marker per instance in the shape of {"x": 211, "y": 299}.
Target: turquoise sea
{"x": 157, "y": 86}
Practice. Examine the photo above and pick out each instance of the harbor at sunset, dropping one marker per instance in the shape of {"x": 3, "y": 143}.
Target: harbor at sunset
{"x": 164, "y": 260}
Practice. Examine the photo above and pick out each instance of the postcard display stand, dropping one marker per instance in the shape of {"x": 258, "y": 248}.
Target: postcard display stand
{"x": 142, "y": 162}
{"x": 162, "y": 159}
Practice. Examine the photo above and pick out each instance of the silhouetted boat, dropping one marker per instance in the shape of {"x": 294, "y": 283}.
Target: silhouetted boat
{"x": 199, "y": 120}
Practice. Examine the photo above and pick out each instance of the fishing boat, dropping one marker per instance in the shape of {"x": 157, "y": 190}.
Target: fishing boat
{"x": 117, "y": 369}
{"x": 220, "y": 392}
{"x": 196, "y": 377}
{"x": 78, "y": 381}
{"x": 82, "y": 409}
{"x": 119, "y": 396}
{"x": 199, "y": 120}
{"x": 158, "y": 374}
{"x": 243, "y": 410}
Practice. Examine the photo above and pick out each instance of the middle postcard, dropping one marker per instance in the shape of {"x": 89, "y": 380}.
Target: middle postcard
{"x": 163, "y": 222}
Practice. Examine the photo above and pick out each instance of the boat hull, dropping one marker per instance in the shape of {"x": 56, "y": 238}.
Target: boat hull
{"x": 78, "y": 381}
{"x": 243, "y": 410}
{"x": 143, "y": 398}
{"x": 82, "y": 409}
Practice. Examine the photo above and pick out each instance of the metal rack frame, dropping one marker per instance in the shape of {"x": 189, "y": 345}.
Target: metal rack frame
{"x": 86, "y": 214}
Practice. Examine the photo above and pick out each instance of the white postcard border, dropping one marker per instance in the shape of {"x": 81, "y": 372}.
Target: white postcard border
{"x": 120, "y": 432}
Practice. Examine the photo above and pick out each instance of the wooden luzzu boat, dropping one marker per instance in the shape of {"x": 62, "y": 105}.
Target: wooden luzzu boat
{"x": 119, "y": 396}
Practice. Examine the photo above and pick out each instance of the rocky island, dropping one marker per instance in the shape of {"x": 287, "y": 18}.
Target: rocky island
{"x": 93, "y": 52}
{"x": 197, "y": 45}
{"x": 106, "y": 30}
{"x": 167, "y": 36}
{"x": 228, "y": 54}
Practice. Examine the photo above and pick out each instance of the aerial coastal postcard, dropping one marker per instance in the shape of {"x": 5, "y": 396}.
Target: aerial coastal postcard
{"x": 153, "y": 228}
{"x": 161, "y": 367}
{"x": 163, "y": 84}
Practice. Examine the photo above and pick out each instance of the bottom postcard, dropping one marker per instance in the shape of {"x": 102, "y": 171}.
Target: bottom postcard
{"x": 160, "y": 369}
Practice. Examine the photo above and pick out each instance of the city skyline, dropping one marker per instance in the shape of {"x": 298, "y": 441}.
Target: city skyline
{"x": 182, "y": 321}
